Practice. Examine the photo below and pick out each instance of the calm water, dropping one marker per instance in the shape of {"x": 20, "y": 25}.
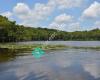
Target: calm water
{"x": 68, "y": 43}
{"x": 68, "y": 64}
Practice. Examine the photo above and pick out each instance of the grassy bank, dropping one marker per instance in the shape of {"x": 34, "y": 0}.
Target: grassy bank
{"x": 31, "y": 47}
{"x": 46, "y": 47}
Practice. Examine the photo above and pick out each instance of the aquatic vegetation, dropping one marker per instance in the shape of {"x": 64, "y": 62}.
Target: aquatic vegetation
{"x": 31, "y": 47}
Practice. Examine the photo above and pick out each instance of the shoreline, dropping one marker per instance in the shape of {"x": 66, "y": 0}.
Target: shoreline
{"x": 47, "y": 47}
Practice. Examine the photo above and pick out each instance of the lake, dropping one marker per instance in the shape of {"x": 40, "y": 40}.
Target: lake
{"x": 67, "y": 43}
{"x": 67, "y": 64}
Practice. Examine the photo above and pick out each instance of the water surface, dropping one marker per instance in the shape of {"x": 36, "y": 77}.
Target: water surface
{"x": 67, "y": 43}
{"x": 68, "y": 64}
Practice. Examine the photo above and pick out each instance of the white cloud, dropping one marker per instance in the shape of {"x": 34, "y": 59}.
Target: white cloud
{"x": 65, "y": 22}
{"x": 63, "y": 18}
{"x": 43, "y": 10}
{"x": 7, "y": 14}
{"x": 97, "y": 24}
{"x": 40, "y": 12}
{"x": 35, "y": 15}
{"x": 75, "y": 26}
{"x": 93, "y": 11}
{"x": 63, "y": 4}
{"x": 22, "y": 11}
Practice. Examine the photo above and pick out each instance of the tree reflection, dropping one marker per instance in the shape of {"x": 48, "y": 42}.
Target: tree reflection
{"x": 7, "y": 54}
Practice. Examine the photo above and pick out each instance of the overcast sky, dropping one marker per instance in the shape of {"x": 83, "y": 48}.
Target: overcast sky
{"x": 68, "y": 15}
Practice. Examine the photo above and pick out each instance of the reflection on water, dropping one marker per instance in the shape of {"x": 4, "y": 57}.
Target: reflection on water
{"x": 68, "y": 43}
{"x": 6, "y": 54}
{"x": 70, "y": 64}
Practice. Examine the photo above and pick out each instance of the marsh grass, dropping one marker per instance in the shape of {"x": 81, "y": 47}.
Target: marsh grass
{"x": 25, "y": 47}
{"x": 10, "y": 51}
{"x": 30, "y": 47}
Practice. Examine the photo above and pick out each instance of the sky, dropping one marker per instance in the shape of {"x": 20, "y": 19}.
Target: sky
{"x": 67, "y": 15}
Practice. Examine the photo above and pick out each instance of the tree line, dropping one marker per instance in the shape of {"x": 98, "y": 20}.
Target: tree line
{"x": 12, "y": 32}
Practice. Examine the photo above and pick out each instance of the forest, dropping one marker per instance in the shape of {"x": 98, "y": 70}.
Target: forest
{"x": 12, "y": 32}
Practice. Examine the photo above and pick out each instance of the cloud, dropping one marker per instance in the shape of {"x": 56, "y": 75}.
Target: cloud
{"x": 63, "y": 4}
{"x": 33, "y": 16}
{"x": 65, "y": 22}
{"x": 7, "y": 14}
{"x": 63, "y": 18}
{"x": 40, "y": 12}
{"x": 75, "y": 26}
{"x": 22, "y": 11}
{"x": 97, "y": 24}
{"x": 93, "y": 11}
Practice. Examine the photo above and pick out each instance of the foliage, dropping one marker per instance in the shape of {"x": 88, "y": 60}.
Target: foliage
{"x": 11, "y": 32}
